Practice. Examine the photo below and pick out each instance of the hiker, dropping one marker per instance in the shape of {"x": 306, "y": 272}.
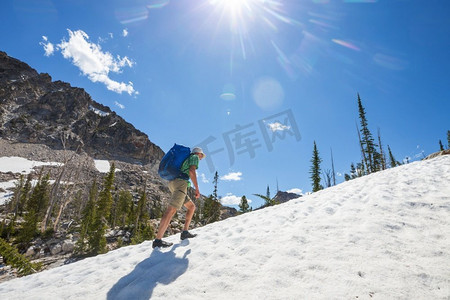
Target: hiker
{"x": 178, "y": 187}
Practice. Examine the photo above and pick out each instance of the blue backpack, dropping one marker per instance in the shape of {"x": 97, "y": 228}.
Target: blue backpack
{"x": 170, "y": 165}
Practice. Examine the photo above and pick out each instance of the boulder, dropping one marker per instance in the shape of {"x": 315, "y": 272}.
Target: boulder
{"x": 55, "y": 249}
{"x": 68, "y": 246}
{"x": 31, "y": 251}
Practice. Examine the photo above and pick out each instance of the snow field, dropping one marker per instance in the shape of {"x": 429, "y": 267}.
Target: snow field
{"x": 382, "y": 236}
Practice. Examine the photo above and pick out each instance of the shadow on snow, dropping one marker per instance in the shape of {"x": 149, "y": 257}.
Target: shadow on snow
{"x": 160, "y": 268}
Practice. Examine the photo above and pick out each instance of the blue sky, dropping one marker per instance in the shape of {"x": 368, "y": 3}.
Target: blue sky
{"x": 253, "y": 81}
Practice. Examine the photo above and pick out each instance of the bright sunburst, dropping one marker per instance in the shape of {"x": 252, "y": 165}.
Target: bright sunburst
{"x": 243, "y": 14}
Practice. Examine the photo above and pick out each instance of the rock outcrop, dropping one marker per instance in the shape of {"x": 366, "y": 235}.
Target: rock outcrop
{"x": 35, "y": 109}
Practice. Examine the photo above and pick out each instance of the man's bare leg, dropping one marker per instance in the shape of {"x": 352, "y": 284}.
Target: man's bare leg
{"x": 165, "y": 220}
{"x": 190, "y": 212}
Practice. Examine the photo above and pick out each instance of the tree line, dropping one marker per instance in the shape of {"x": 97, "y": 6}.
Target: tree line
{"x": 374, "y": 158}
{"x": 37, "y": 207}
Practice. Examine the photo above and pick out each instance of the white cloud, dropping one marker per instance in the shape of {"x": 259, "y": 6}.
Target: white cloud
{"x": 204, "y": 179}
{"x": 277, "y": 126}
{"x": 125, "y": 33}
{"x": 121, "y": 106}
{"x": 111, "y": 35}
{"x": 94, "y": 63}
{"x": 49, "y": 48}
{"x": 231, "y": 199}
{"x": 295, "y": 191}
{"x": 236, "y": 176}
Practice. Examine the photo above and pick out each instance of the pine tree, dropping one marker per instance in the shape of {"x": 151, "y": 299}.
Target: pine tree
{"x": 315, "y": 170}
{"x": 332, "y": 167}
{"x": 35, "y": 207}
{"x": 211, "y": 205}
{"x": 211, "y": 209}
{"x": 382, "y": 156}
{"x": 24, "y": 195}
{"x": 142, "y": 230}
{"x": 40, "y": 196}
{"x": 360, "y": 171}
{"x": 243, "y": 206}
{"x": 105, "y": 197}
{"x": 448, "y": 139}
{"x": 441, "y": 147}
{"x": 215, "y": 182}
{"x": 268, "y": 192}
{"x": 141, "y": 210}
{"x": 123, "y": 207}
{"x": 88, "y": 216}
{"x": 352, "y": 174}
{"x": 392, "y": 159}
{"x": 16, "y": 260}
{"x": 372, "y": 157}
{"x": 97, "y": 240}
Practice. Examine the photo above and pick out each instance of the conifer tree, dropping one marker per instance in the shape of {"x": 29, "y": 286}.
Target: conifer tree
{"x": 211, "y": 205}
{"x": 367, "y": 142}
{"x": 215, "y": 182}
{"x": 382, "y": 156}
{"x": 268, "y": 192}
{"x": 448, "y": 139}
{"x": 141, "y": 210}
{"x": 352, "y": 174}
{"x": 211, "y": 209}
{"x": 142, "y": 230}
{"x": 315, "y": 170}
{"x": 35, "y": 207}
{"x": 392, "y": 159}
{"x": 88, "y": 216}
{"x": 332, "y": 167}
{"x": 97, "y": 240}
{"x": 243, "y": 206}
{"x": 360, "y": 171}
{"x": 105, "y": 197}
{"x": 13, "y": 205}
{"x": 40, "y": 196}
{"x": 123, "y": 207}
{"x": 24, "y": 195}
{"x": 16, "y": 260}
{"x": 441, "y": 147}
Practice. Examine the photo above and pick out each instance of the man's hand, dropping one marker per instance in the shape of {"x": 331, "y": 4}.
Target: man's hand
{"x": 197, "y": 194}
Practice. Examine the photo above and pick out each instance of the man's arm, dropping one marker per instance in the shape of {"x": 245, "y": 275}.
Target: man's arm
{"x": 193, "y": 176}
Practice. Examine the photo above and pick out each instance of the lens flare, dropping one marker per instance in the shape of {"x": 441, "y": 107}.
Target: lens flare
{"x": 346, "y": 44}
{"x": 268, "y": 93}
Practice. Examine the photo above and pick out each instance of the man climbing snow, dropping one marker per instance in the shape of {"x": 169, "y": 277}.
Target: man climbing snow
{"x": 178, "y": 187}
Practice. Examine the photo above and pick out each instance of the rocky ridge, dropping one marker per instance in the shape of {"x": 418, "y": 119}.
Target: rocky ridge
{"x": 35, "y": 109}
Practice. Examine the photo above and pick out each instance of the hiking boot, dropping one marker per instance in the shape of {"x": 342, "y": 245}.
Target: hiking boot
{"x": 187, "y": 235}
{"x": 161, "y": 243}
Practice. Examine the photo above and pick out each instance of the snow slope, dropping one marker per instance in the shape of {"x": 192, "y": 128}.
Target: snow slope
{"x": 383, "y": 236}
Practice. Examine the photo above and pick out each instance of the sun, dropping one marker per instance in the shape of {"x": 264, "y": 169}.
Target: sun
{"x": 246, "y": 19}
{"x": 233, "y": 7}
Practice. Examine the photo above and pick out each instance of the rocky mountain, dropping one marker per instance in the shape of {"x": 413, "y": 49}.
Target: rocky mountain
{"x": 35, "y": 109}
{"x": 282, "y": 197}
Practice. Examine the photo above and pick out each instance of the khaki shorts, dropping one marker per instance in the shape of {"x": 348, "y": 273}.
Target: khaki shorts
{"x": 178, "y": 188}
